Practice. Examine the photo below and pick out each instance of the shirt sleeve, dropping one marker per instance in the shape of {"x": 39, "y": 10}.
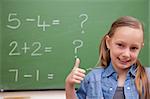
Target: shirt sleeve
{"x": 81, "y": 92}
{"x": 90, "y": 86}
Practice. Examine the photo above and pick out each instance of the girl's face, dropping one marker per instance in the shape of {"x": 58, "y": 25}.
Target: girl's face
{"x": 125, "y": 46}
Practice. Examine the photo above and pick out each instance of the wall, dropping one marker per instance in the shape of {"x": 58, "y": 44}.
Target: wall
{"x": 35, "y": 94}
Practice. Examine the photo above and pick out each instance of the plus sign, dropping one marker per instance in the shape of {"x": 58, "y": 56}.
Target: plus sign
{"x": 25, "y": 48}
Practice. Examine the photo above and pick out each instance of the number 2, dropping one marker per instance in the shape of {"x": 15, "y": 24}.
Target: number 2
{"x": 34, "y": 53}
{"x": 12, "y": 52}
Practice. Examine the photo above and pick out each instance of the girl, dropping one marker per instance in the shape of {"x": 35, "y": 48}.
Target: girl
{"x": 121, "y": 75}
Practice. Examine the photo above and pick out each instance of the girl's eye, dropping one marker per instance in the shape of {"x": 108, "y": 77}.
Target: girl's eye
{"x": 120, "y": 45}
{"x": 134, "y": 48}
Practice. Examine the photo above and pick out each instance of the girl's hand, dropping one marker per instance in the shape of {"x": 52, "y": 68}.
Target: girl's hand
{"x": 76, "y": 75}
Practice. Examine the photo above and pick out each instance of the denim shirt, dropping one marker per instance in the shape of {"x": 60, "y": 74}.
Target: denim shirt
{"x": 101, "y": 83}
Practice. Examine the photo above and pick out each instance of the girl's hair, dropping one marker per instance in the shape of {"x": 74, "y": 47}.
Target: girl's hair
{"x": 141, "y": 79}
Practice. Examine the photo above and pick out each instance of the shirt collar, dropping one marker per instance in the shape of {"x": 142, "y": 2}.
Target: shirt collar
{"x": 109, "y": 70}
{"x": 132, "y": 70}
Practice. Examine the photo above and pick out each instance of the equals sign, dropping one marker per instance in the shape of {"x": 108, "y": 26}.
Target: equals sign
{"x": 50, "y": 76}
{"x": 56, "y": 22}
{"x": 30, "y": 20}
{"x": 48, "y": 49}
{"x": 27, "y": 76}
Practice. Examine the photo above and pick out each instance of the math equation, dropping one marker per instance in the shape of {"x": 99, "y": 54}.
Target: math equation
{"x": 36, "y": 47}
{"x": 13, "y": 18}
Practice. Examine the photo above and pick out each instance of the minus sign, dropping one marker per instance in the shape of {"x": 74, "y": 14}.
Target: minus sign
{"x": 30, "y": 19}
{"x": 27, "y": 75}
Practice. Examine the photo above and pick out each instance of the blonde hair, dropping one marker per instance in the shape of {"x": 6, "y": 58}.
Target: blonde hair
{"x": 141, "y": 79}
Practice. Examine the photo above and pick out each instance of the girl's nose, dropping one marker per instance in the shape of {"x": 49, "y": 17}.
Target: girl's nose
{"x": 126, "y": 53}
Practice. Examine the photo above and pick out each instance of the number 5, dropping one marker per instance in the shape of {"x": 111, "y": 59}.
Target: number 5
{"x": 13, "y": 19}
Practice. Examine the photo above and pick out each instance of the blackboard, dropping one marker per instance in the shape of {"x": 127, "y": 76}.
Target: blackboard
{"x": 40, "y": 39}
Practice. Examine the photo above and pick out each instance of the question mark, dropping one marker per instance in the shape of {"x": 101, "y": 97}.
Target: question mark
{"x": 86, "y": 17}
{"x": 79, "y": 44}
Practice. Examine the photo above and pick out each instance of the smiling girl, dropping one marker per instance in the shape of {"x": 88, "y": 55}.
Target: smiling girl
{"x": 121, "y": 75}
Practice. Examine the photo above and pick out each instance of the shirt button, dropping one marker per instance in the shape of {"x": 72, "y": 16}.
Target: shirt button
{"x": 128, "y": 88}
{"x": 110, "y": 89}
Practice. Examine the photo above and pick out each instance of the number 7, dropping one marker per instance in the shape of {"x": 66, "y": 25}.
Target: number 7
{"x": 16, "y": 73}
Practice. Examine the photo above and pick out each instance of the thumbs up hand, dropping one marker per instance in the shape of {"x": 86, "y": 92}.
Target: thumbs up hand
{"x": 76, "y": 75}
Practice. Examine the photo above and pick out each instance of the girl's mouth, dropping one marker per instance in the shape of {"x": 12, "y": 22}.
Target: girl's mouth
{"x": 124, "y": 62}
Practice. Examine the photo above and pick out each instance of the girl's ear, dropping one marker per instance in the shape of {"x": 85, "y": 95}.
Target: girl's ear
{"x": 107, "y": 41}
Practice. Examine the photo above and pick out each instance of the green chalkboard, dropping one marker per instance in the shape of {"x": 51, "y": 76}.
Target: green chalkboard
{"x": 40, "y": 39}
